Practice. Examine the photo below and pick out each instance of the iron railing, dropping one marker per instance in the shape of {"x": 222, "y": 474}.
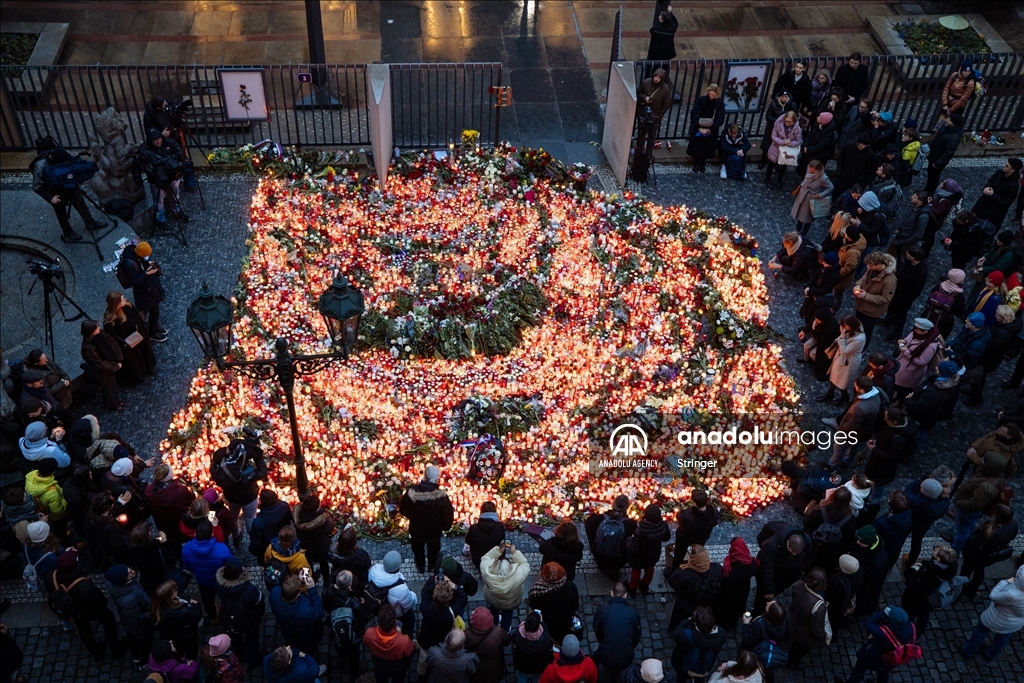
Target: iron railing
{"x": 907, "y": 86}
{"x": 616, "y": 54}
{"x": 431, "y": 104}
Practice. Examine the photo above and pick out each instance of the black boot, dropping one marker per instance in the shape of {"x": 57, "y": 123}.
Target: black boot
{"x": 71, "y": 236}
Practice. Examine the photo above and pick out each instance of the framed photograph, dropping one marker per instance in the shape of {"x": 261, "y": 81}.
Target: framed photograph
{"x": 746, "y": 84}
{"x": 244, "y": 94}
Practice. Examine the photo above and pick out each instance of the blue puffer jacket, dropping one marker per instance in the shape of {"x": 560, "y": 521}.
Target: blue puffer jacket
{"x": 132, "y": 605}
{"x": 968, "y": 347}
{"x": 204, "y": 558}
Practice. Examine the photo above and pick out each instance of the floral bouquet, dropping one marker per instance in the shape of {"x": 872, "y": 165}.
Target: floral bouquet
{"x": 580, "y": 172}
{"x": 470, "y": 136}
{"x": 487, "y": 460}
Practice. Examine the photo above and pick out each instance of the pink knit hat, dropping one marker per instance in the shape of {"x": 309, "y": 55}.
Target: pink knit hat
{"x": 220, "y": 644}
{"x": 481, "y": 620}
{"x": 824, "y": 117}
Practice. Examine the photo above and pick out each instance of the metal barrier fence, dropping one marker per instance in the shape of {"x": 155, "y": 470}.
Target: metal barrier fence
{"x": 907, "y": 86}
{"x": 431, "y": 104}
{"x": 616, "y": 54}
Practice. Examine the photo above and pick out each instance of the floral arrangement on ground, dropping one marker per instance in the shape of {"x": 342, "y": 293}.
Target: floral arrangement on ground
{"x": 512, "y": 323}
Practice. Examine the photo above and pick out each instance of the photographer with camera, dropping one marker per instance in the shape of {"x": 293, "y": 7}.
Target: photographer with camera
{"x": 160, "y": 159}
{"x": 62, "y": 191}
{"x": 137, "y": 271}
{"x": 167, "y": 117}
{"x": 653, "y": 99}
{"x": 238, "y": 469}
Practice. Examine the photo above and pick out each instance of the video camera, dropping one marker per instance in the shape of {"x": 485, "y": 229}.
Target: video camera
{"x": 178, "y": 110}
{"x": 165, "y": 171}
{"x": 44, "y": 269}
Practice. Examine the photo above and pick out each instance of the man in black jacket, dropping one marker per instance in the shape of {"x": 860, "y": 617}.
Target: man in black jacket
{"x": 240, "y": 491}
{"x": 342, "y": 595}
{"x": 240, "y": 611}
{"x": 935, "y": 399}
{"x": 430, "y": 514}
{"x": 911, "y": 276}
{"x": 696, "y": 522}
{"x": 853, "y": 78}
{"x": 159, "y": 158}
{"x": 62, "y": 200}
{"x": 90, "y": 605}
{"x": 487, "y": 533}
{"x": 942, "y": 147}
{"x": 617, "y": 628}
{"x": 784, "y": 557}
{"x": 999, "y": 193}
{"x": 913, "y": 226}
{"x": 663, "y": 33}
{"x": 147, "y": 289}
{"x": 654, "y": 92}
{"x": 274, "y": 514}
{"x": 856, "y": 163}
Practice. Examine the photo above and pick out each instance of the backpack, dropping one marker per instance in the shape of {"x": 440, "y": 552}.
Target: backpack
{"x": 124, "y": 278}
{"x": 707, "y": 590}
{"x": 30, "y": 574}
{"x": 232, "y": 614}
{"x": 828, "y": 533}
{"x": 609, "y": 540}
{"x": 122, "y": 208}
{"x": 921, "y": 162}
{"x": 768, "y": 651}
{"x": 374, "y": 596}
{"x": 947, "y": 592}
{"x": 939, "y": 306}
{"x": 236, "y": 465}
{"x": 343, "y": 626}
{"x": 696, "y": 661}
{"x": 60, "y": 600}
{"x": 902, "y": 653}
{"x": 889, "y": 207}
{"x": 980, "y": 86}
{"x": 275, "y": 572}
{"x": 68, "y": 175}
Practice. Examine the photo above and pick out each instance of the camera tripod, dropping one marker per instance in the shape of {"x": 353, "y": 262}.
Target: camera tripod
{"x": 172, "y": 209}
{"x": 94, "y": 235}
{"x": 46, "y": 273}
{"x": 184, "y": 137}
{"x": 652, "y": 175}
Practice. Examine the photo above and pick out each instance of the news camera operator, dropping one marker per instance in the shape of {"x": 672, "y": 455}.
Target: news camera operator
{"x": 238, "y": 469}
{"x": 167, "y": 117}
{"x": 160, "y": 159}
{"x": 653, "y": 99}
{"x": 61, "y": 198}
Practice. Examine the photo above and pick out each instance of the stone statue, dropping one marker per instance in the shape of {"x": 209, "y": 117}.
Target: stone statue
{"x": 114, "y": 157}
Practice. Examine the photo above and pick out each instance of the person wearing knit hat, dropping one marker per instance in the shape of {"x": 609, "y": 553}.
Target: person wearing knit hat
{"x": 132, "y": 605}
{"x": 928, "y": 503}
{"x": 143, "y": 249}
{"x": 848, "y": 564}
{"x": 392, "y": 562}
{"x": 122, "y": 467}
{"x": 35, "y": 446}
{"x": 617, "y": 629}
{"x": 220, "y": 644}
{"x": 211, "y": 496}
{"x": 867, "y": 535}
{"x": 825, "y": 117}
{"x": 38, "y": 531}
{"x": 430, "y": 513}
{"x": 165, "y": 659}
{"x": 819, "y": 144}
{"x": 652, "y": 671}
{"x": 897, "y": 626}
{"x": 869, "y": 551}
{"x": 147, "y": 288}
{"x": 869, "y": 201}
{"x": 223, "y": 660}
{"x": 488, "y": 642}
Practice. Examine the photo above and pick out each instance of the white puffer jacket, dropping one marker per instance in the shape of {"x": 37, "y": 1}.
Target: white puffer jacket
{"x": 400, "y": 597}
{"x": 1006, "y": 612}
{"x": 503, "y": 580}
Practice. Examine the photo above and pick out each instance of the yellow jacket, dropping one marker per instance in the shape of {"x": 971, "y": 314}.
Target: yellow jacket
{"x": 910, "y": 151}
{"x": 296, "y": 560}
{"x": 48, "y": 494}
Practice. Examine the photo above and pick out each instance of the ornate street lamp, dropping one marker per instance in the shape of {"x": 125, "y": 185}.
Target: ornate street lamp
{"x": 342, "y": 307}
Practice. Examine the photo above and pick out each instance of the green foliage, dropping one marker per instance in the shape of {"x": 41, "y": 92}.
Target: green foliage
{"x": 16, "y": 48}
{"x": 928, "y": 37}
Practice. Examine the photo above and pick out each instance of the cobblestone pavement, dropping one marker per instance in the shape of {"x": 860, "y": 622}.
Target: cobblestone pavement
{"x": 217, "y": 245}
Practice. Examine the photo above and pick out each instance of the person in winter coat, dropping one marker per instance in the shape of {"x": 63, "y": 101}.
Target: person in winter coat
{"x": 734, "y": 147}
{"x": 947, "y": 196}
{"x": 274, "y": 514}
{"x": 781, "y": 102}
{"x": 289, "y": 664}
{"x": 850, "y": 257}
{"x": 314, "y": 526}
{"x": 662, "y": 46}
{"x": 696, "y": 522}
{"x": 203, "y": 556}
{"x": 388, "y": 574}
{"x": 695, "y": 579}
{"x": 147, "y": 289}
{"x": 914, "y": 225}
{"x": 869, "y": 656}
{"x": 706, "y": 119}
{"x": 892, "y": 444}
{"x": 1000, "y": 190}
{"x": 503, "y": 570}
{"x": 656, "y": 93}
{"x": 911, "y": 276}
{"x": 439, "y": 616}
{"x": 856, "y": 164}
{"x": 824, "y": 331}
{"x": 390, "y": 649}
{"x": 132, "y": 605}
{"x": 894, "y": 527}
{"x": 986, "y": 299}
{"x": 882, "y": 131}
{"x": 890, "y": 155}
{"x": 917, "y": 350}
{"x": 943, "y": 147}
{"x": 449, "y": 662}
{"x": 287, "y": 550}
{"x": 615, "y": 524}
{"x": 617, "y": 628}
{"x": 909, "y": 148}
{"x": 784, "y": 555}
{"x": 41, "y": 485}
{"x": 487, "y": 533}
{"x": 220, "y": 662}
{"x": 346, "y": 554}
{"x": 487, "y": 641}
{"x": 121, "y": 320}
{"x": 241, "y": 494}
{"x": 299, "y": 611}
{"x": 90, "y": 605}
{"x": 698, "y": 642}
{"x": 874, "y": 290}
{"x": 813, "y": 198}
{"x": 430, "y": 514}
{"x": 557, "y": 599}
{"x": 531, "y": 649}
{"x": 797, "y": 258}
{"x": 1003, "y": 617}
{"x": 643, "y": 549}
{"x": 959, "y": 88}
{"x": 168, "y": 499}
{"x": 837, "y": 512}
{"x": 118, "y": 480}
{"x": 965, "y": 239}
{"x": 853, "y": 78}
{"x": 49, "y": 384}
{"x": 968, "y": 346}
{"x": 785, "y": 133}
{"x": 744, "y": 669}
{"x": 990, "y": 543}
{"x": 570, "y": 665}
{"x": 841, "y": 592}
{"x": 1004, "y": 335}
{"x": 177, "y": 621}
{"x": 565, "y": 548}
{"x": 807, "y": 614}
{"x": 773, "y": 625}
{"x": 870, "y": 551}
{"x": 824, "y": 281}
{"x": 846, "y": 360}
{"x": 240, "y": 610}
{"x": 105, "y": 537}
{"x": 176, "y": 668}
{"x": 946, "y": 302}
{"x": 738, "y": 568}
{"x": 797, "y": 82}
{"x": 198, "y": 512}
{"x": 975, "y": 495}
{"x": 856, "y": 121}
{"x": 103, "y": 359}
{"x": 821, "y": 88}
{"x": 819, "y": 143}
{"x": 928, "y": 503}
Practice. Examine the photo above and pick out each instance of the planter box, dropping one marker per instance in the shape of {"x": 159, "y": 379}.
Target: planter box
{"x": 31, "y": 87}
